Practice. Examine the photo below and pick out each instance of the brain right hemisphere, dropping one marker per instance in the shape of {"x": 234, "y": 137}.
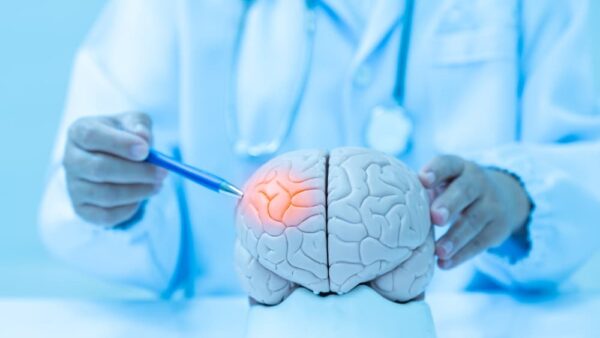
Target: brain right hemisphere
{"x": 329, "y": 222}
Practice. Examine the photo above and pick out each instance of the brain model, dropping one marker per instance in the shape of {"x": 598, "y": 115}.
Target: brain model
{"x": 328, "y": 222}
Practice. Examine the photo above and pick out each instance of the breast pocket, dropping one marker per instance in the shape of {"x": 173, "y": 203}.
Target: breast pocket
{"x": 476, "y": 31}
{"x": 473, "y": 75}
{"x": 475, "y": 46}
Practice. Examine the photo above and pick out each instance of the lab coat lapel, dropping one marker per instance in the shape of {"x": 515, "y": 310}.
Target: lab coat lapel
{"x": 339, "y": 10}
{"x": 384, "y": 17}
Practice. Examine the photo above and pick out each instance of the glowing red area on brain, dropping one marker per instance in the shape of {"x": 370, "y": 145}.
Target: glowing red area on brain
{"x": 329, "y": 222}
{"x": 283, "y": 194}
{"x": 283, "y": 198}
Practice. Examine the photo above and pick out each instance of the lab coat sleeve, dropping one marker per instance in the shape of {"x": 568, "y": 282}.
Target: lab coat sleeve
{"x": 558, "y": 158}
{"x": 127, "y": 63}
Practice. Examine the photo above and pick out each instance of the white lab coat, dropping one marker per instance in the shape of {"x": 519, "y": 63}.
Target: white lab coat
{"x": 504, "y": 83}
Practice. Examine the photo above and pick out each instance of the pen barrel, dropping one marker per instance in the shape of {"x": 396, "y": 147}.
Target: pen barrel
{"x": 201, "y": 177}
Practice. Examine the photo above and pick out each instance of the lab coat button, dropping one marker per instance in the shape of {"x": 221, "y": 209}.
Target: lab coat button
{"x": 363, "y": 76}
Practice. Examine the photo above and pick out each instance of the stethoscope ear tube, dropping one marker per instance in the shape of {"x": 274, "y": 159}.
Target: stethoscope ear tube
{"x": 241, "y": 144}
{"x": 402, "y": 64}
{"x": 384, "y": 120}
{"x": 390, "y": 127}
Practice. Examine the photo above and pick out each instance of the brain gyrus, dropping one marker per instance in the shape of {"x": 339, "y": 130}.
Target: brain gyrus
{"x": 285, "y": 197}
{"x": 328, "y": 222}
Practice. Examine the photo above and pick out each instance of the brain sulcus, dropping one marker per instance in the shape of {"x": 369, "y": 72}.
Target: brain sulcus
{"x": 329, "y": 222}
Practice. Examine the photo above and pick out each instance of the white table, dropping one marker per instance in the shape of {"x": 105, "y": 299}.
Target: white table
{"x": 454, "y": 315}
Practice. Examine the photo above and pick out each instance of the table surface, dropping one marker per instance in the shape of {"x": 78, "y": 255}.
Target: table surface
{"x": 460, "y": 314}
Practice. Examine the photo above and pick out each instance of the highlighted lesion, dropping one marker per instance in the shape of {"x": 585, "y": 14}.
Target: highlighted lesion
{"x": 285, "y": 197}
{"x": 280, "y": 202}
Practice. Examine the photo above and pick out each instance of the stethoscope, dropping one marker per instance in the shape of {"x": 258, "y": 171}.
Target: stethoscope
{"x": 389, "y": 128}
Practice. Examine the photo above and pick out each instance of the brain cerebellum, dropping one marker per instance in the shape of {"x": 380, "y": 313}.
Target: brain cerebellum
{"x": 329, "y": 222}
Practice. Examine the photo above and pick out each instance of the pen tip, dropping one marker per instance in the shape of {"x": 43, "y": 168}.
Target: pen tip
{"x": 231, "y": 190}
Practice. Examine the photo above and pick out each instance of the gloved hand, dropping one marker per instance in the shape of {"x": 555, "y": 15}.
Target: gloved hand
{"x": 106, "y": 178}
{"x": 484, "y": 206}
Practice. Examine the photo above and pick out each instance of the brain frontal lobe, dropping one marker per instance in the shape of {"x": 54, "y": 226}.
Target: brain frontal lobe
{"x": 331, "y": 222}
{"x": 281, "y": 227}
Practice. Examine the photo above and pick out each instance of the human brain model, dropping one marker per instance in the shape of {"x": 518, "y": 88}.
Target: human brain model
{"x": 328, "y": 222}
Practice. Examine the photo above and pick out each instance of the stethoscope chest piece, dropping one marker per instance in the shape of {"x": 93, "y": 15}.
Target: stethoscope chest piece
{"x": 389, "y": 129}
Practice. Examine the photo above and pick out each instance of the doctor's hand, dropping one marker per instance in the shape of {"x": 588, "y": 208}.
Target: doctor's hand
{"x": 106, "y": 178}
{"x": 484, "y": 206}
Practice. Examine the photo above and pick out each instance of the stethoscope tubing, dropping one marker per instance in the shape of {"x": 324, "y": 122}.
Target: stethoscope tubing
{"x": 266, "y": 148}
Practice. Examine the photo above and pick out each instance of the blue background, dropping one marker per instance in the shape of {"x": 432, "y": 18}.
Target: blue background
{"x": 38, "y": 39}
{"x": 37, "y": 42}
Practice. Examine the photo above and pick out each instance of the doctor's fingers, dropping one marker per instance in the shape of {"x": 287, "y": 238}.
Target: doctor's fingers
{"x": 100, "y": 167}
{"x": 137, "y": 123}
{"x": 108, "y": 195}
{"x": 490, "y": 236}
{"x": 105, "y": 134}
{"x": 469, "y": 225}
{"x": 441, "y": 169}
{"x": 108, "y": 217}
{"x": 461, "y": 192}
{"x": 436, "y": 191}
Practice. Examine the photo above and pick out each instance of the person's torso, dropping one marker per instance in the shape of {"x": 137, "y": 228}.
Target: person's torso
{"x": 461, "y": 93}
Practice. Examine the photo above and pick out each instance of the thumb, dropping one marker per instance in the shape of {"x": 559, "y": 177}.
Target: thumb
{"x": 139, "y": 124}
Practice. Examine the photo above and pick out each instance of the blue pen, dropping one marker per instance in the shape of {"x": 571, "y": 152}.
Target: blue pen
{"x": 205, "y": 179}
